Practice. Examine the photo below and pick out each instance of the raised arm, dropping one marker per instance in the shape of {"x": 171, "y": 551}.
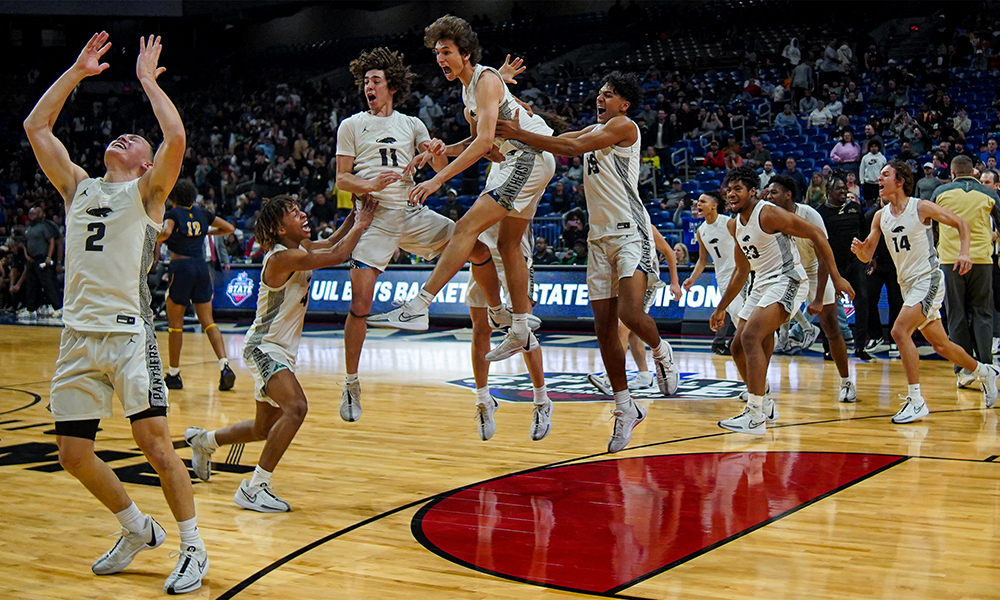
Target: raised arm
{"x": 774, "y": 219}
{"x": 160, "y": 178}
{"x": 864, "y": 250}
{"x": 49, "y": 151}
{"x": 489, "y": 94}
{"x": 929, "y": 210}
{"x": 317, "y": 256}
{"x": 618, "y": 130}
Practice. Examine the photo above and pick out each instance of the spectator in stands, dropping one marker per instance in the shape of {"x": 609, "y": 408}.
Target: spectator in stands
{"x": 795, "y": 173}
{"x": 941, "y": 170}
{"x": 562, "y": 198}
{"x": 575, "y": 171}
{"x": 574, "y": 229}
{"x": 733, "y": 160}
{"x": 577, "y": 254}
{"x": 847, "y": 152}
{"x": 961, "y": 124}
{"x": 926, "y": 185}
{"x": 802, "y": 81}
{"x": 906, "y": 152}
{"x": 451, "y": 205}
{"x": 758, "y": 155}
{"x": 712, "y": 124}
{"x": 815, "y": 194}
{"x": 787, "y": 119}
{"x": 960, "y": 148}
{"x": 543, "y": 254}
{"x": 234, "y": 247}
{"x": 674, "y": 196}
{"x": 659, "y": 133}
{"x": 835, "y": 106}
{"x": 991, "y": 150}
{"x": 766, "y": 174}
{"x": 820, "y": 116}
{"x": 322, "y": 210}
{"x": 16, "y": 266}
{"x": 687, "y": 219}
{"x": 42, "y": 287}
{"x": 807, "y": 104}
{"x": 871, "y": 166}
{"x": 792, "y": 55}
{"x": 682, "y": 255}
{"x": 852, "y": 185}
{"x": 991, "y": 179}
{"x": 715, "y": 158}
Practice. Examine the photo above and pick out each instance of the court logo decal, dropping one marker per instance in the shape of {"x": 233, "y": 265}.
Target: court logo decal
{"x": 240, "y": 289}
{"x": 574, "y": 387}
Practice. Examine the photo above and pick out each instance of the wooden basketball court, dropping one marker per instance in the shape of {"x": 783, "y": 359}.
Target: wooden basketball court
{"x": 834, "y": 502}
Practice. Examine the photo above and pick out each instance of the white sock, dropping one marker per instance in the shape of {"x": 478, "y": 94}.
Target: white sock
{"x": 755, "y": 402}
{"x": 131, "y": 518}
{"x": 483, "y": 395}
{"x": 422, "y": 300}
{"x": 189, "y": 534}
{"x": 623, "y": 399}
{"x": 351, "y": 378}
{"x": 541, "y": 394}
{"x": 519, "y": 324}
{"x": 663, "y": 350}
{"x": 223, "y": 363}
{"x": 913, "y": 390}
{"x": 802, "y": 321}
{"x": 845, "y": 380}
{"x": 260, "y": 476}
{"x": 210, "y": 442}
{"x": 173, "y": 371}
{"x": 982, "y": 370}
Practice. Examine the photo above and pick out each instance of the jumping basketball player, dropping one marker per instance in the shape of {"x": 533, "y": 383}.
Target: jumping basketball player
{"x": 906, "y": 222}
{"x": 374, "y": 149}
{"x": 782, "y": 192}
{"x": 513, "y": 186}
{"x": 184, "y": 229}
{"x": 622, "y": 270}
{"x": 108, "y": 344}
{"x": 763, "y": 235}
{"x": 273, "y": 340}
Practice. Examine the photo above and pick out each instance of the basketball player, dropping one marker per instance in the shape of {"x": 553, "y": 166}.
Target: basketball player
{"x": 782, "y": 192}
{"x": 715, "y": 242}
{"x": 906, "y": 222}
{"x": 762, "y": 232}
{"x": 273, "y": 340}
{"x": 184, "y": 229}
{"x": 513, "y": 186}
{"x": 482, "y": 326}
{"x": 374, "y": 150}
{"x": 622, "y": 271}
{"x": 108, "y": 344}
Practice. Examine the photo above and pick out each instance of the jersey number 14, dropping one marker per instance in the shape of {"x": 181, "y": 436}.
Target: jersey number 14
{"x": 901, "y": 243}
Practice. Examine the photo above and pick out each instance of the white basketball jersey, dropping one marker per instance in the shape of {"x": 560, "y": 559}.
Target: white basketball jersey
{"x": 807, "y": 251}
{"x": 109, "y": 250}
{"x": 611, "y": 184}
{"x": 382, "y": 144}
{"x": 910, "y": 242}
{"x": 771, "y": 255}
{"x": 720, "y": 245}
{"x": 280, "y": 311}
{"x": 508, "y": 106}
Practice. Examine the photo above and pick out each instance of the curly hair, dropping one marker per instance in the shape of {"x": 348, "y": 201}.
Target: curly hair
{"x": 903, "y": 173}
{"x": 625, "y": 85}
{"x": 398, "y": 76}
{"x": 744, "y": 174}
{"x": 457, "y": 30}
{"x": 183, "y": 194}
{"x": 271, "y": 215}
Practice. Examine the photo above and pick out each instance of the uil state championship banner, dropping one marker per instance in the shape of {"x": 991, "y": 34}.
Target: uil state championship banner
{"x": 560, "y": 293}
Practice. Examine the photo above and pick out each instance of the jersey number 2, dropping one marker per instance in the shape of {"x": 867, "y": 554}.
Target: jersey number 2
{"x": 97, "y": 234}
{"x": 386, "y": 153}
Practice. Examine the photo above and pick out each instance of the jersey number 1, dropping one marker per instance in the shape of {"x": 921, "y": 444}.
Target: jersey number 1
{"x": 97, "y": 231}
{"x": 386, "y": 153}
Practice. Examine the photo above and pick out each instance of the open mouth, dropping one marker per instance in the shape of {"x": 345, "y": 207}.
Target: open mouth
{"x": 601, "y": 110}
{"x": 119, "y": 144}
{"x": 371, "y": 98}
{"x": 446, "y": 69}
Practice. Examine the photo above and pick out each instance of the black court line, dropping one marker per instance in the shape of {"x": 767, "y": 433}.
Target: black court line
{"x": 993, "y": 458}
{"x": 35, "y": 399}
{"x": 28, "y": 426}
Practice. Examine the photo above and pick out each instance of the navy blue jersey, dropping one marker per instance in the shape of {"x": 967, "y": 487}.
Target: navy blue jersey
{"x": 190, "y": 228}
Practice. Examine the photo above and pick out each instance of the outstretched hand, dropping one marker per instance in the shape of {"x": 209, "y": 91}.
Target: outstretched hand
{"x": 366, "y": 212}
{"x": 149, "y": 56}
{"x": 511, "y": 69}
{"x": 509, "y": 130}
{"x": 89, "y": 61}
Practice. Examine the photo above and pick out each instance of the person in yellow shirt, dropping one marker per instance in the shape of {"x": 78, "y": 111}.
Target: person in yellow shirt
{"x": 974, "y": 203}
{"x": 345, "y": 202}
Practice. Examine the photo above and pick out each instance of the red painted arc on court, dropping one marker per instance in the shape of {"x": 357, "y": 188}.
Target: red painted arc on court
{"x": 600, "y": 527}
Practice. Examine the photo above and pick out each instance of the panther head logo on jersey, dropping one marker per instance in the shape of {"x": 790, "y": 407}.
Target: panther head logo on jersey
{"x": 713, "y": 241}
{"x": 387, "y": 140}
{"x": 746, "y": 238}
{"x": 99, "y": 212}
{"x": 898, "y": 229}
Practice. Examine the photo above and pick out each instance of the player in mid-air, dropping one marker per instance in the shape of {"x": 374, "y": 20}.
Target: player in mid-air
{"x": 763, "y": 234}
{"x": 273, "y": 341}
{"x": 622, "y": 270}
{"x": 906, "y": 223}
{"x": 513, "y": 187}
{"x": 108, "y": 345}
{"x": 374, "y": 152}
